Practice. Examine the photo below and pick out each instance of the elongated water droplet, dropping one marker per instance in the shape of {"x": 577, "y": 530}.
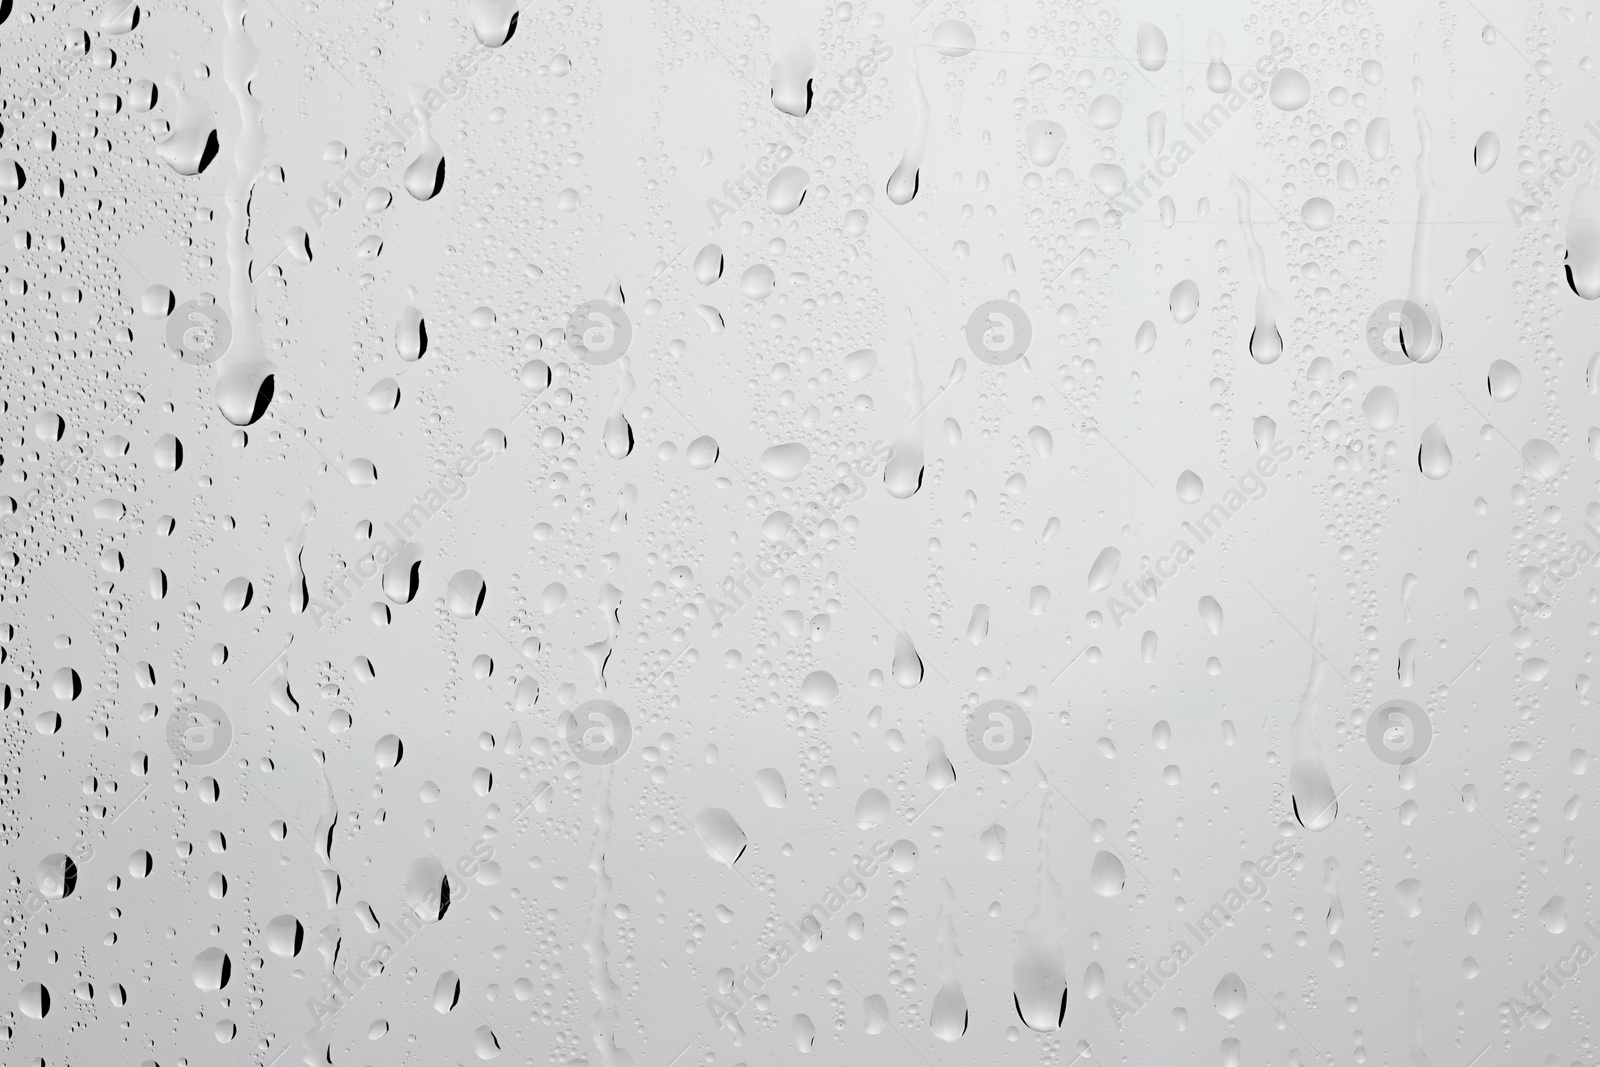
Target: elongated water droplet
{"x": 791, "y": 80}
{"x": 906, "y": 179}
{"x": 424, "y": 175}
{"x": 1104, "y": 569}
{"x": 1311, "y": 790}
{"x": 948, "y": 1017}
{"x": 1583, "y": 239}
{"x": 1433, "y": 455}
{"x": 1219, "y": 79}
{"x": 1150, "y": 45}
{"x": 907, "y": 665}
{"x": 902, "y": 474}
{"x": 1038, "y": 968}
{"x": 1266, "y": 341}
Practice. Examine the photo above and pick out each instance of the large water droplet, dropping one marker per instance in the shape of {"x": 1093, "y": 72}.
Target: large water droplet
{"x": 1290, "y": 90}
{"x": 1106, "y": 874}
{"x": 907, "y": 665}
{"x": 721, "y": 835}
{"x": 1230, "y": 996}
{"x": 1150, "y": 46}
{"x": 785, "y": 462}
{"x": 787, "y": 190}
{"x": 424, "y": 175}
{"x": 1184, "y": 301}
{"x": 1043, "y": 138}
{"x": 791, "y": 82}
{"x": 1486, "y": 152}
{"x": 1381, "y": 407}
{"x": 1219, "y": 79}
{"x": 493, "y": 21}
{"x": 1505, "y": 379}
{"x": 1433, "y": 456}
{"x": 1583, "y": 240}
{"x": 1104, "y": 569}
{"x": 954, "y": 38}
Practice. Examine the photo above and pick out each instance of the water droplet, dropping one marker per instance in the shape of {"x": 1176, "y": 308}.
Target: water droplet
{"x": 787, "y": 190}
{"x": 1317, "y": 213}
{"x": 1433, "y": 456}
{"x": 1312, "y": 795}
{"x": 721, "y": 836}
{"x": 1230, "y": 996}
{"x": 1104, "y": 569}
{"x": 1290, "y": 90}
{"x": 954, "y": 38}
{"x": 424, "y": 175}
{"x": 791, "y": 82}
{"x": 1583, "y": 239}
{"x": 1184, "y": 301}
{"x": 906, "y": 179}
{"x": 411, "y": 334}
{"x": 906, "y": 666}
{"x": 702, "y": 453}
{"x": 1106, "y": 874}
{"x": 785, "y": 462}
{"x": 1105, "y": 112}
{"x": 1381, "y": 407}
{"x": 769, "y": 783}
{"x": 493, "y": 21}
{"x": 1377, "y": 139}
{"x": 1044, "y": 139}
{"x": 708, "y": 264}
{"x": 1486, "y": 152}
{"x": 1150, "y": 45}
{"x": 1219, "y": 79}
